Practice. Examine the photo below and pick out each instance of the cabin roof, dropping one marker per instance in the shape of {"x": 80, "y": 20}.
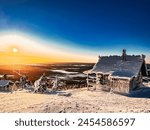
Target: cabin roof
{"x": 116, "y": 67}
{"x": 4, "y": 83}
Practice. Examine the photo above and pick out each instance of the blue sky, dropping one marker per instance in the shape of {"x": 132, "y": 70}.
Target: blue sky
{"x": 98, "y": 26}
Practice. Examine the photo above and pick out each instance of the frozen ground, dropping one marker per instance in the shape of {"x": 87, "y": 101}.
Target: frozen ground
{"x": 81, "y": 100}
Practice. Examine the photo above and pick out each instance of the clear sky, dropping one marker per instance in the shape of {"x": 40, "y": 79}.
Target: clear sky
{"x": 78, "y": 30}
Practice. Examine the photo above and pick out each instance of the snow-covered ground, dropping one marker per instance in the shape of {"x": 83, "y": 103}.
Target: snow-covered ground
{"x": 80, "y": 100}
{"x": 63, "y": 71}
{"x": 71, "y": 74}
{"x": 1, "y": 76}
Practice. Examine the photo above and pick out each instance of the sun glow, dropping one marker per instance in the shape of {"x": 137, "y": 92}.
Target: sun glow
{"x": 15, "y": 50}
{"x": 24, "y": 49}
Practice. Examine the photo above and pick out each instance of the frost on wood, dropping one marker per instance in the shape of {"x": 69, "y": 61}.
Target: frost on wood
{"x": 117, "y": 73}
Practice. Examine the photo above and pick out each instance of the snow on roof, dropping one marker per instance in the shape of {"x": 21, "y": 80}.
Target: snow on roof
{"x": 5, "y": 82}
{"x": 116, "y": 67}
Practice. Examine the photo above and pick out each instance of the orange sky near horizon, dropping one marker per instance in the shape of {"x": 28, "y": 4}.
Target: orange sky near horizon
{"x": 14, "y": 57}
{"x": 24, "y": 49}
{"x": 7, "y": 59}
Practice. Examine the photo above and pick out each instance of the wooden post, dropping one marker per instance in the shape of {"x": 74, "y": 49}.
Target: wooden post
{"x": 141, "y": 80}
{"x": 103, "y": 76}
{"x": 87, "y": 81}
{"x": 97, "y": 82}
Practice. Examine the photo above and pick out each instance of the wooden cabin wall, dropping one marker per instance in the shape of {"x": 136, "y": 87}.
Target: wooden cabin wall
{"x": 120, "y": 85}
{"x": 135, "y": 82}
{"x": 100, "y": 81}
{"x": 116, "y": 84}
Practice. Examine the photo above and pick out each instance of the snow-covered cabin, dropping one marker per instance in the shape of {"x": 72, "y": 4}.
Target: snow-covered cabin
{"x": 5, "y": 85}
{"x": 118, "y": 73}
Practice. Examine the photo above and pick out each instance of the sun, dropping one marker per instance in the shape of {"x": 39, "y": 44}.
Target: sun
{"x": 14, "y": 50}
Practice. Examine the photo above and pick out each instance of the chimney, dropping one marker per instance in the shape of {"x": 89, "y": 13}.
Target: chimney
{"x": 143, "y": 57}
{"x": 123, "y": 55}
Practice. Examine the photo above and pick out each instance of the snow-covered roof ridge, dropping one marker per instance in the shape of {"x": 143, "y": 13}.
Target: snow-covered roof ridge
{"x": 116, "y": 67}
